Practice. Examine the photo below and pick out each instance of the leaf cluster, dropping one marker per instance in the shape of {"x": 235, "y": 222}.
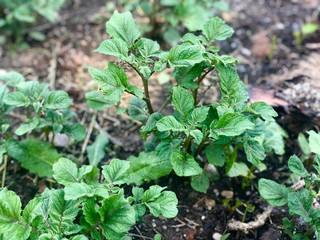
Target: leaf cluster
{"x": 18, "y": 16}
{"x": 43, "y": 111}
{"x": 169, "y": 18}
{"x": 304, "y": 201}
{"x": 177, "y": 141}
{"x": 85, "y": 208}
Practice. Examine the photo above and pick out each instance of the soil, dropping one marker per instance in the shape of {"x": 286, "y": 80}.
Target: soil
{"x": 274, "y": 68}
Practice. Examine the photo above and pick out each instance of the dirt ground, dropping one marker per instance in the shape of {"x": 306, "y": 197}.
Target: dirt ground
{"x": 274, "y": 68}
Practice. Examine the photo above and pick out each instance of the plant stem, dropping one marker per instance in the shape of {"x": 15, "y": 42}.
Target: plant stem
{"x": 4, "y": 173}
{"x": 146, "y": 89}
{"x": 199, "y": 80}
{"x": 201, "y": 145}
{"x": 187, "y": 144}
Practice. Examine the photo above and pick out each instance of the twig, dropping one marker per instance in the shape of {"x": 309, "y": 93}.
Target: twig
{"x": 110, "y": 137}
{"x": 4, "y": 173}
{"x": 261, "y": 219}
{"x": 52, "y": 72}
{"x": 86, "y": 141}
{"x": 140, "y": 236}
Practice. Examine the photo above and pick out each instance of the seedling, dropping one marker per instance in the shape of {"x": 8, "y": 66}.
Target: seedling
{"x": 17, "y": 17}
{"x": 43, "y": 112}
{"x": 305, "y": 30}
{"x": 194, "y": 135}
{"x": 85, "y": 208}
{"x": 168, "y": 19}
{"x": 302, "y": 201}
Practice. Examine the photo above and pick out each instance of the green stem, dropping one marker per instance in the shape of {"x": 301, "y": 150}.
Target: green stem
{"x": 199, "y": 80}
{"x": 146, "y": 89}
{"x": 187, "y": 144}
{"x": 201, "y": 145}
{"x": 4, "y": 173}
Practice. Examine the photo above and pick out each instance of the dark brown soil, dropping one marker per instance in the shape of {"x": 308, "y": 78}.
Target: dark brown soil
{"x": 261, "y": 27}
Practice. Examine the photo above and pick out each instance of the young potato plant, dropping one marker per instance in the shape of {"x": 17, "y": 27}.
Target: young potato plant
{"x": 18, "y": 16}
{"x": 194, "y": 135}
{"x": 43, "y": 111}
{"x": 85, "y": 208}
{"x": 168, "y": 18}
{"x": 302, "y": 201}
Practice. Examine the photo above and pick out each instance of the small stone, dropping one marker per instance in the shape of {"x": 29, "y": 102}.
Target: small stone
{"x": 164, "y": 227}
{"x": 227, "y": 194}
{"x": 203, "y": 218}
{"x": 216, "y": 236}
{"x": 209, "y": 203}
{"x": 154, "y": 225}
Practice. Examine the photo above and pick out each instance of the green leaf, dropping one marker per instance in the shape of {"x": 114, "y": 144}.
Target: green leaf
{"x": 183, "y": 101}
{"x": 166, "y": 147}
{"x": 31, "y": 209}
{"x": 116, "y": 171}
{"x": 296, "y": 166}
{"x": 110, "y": 84}
{"x": 96, "y": 150}
{"x": 114, "y": 47}
{"x": 152, "y": 193}
{"x": 62, "y": 213}
{"x": 118, "y": 217}
{"x": 254, "y": 152}
{"x": 4, "y": 90}
{"x": 66, "y": 171}
{"x": 12, "y": 78}
{"x": 169, "y": 123}
{"x": 301, "y": 203}
{"x": 24, "y": 128}
{"x": 238, "y": 169}
{"x": 274, "y": 193}
{"x": 147, "y": 48}
{"x": 304, "y": 144}
{"x": 309, "y": 28}
{"x": 151, "y": 122}
{"x": 233, "y": 90}
{"x": 215, "y": 154}
{"x": 122, "y": 26}
{"x": 76, "y": 131}
{"x": 165, "y": 205}
{"x": 36, "y": 156}
{"x": 274, "y": 138}
{"x": 185, "y": 76}
{"x": 79, "y": 237}
{"x": 10, "y": 210}
{"x": 147, "y": 166}
{"x": 194, "y": 21}
{"x": 264, "y": 110}
{"x": 90, "y": 212}
{"x": 232, "y": 124}
{"x": 97, "y": 101}
{"x": 184, "y": 164}
{"x": 185, "y": 55}
{"x": 137, "y": 109}
{"x": 200, "y": 182}
{"x": 199, "y": 115}
{"x": 38, "y": 36}
{"x": 57, "y": 100}
{"x": 197, "y": 135}
{"x": 216, "y": 29}
{"x": 314, "y": 142}
{"x": 74, "y": 191}
{"x": 17, "y": 99}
